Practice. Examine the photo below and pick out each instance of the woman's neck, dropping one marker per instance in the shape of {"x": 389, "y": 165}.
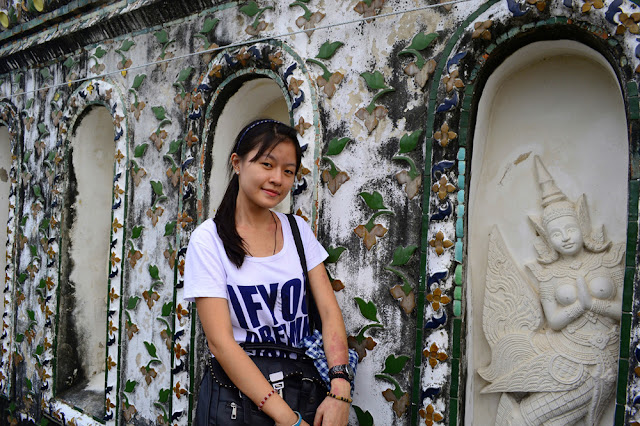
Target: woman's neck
{"x": 252, "y": 217}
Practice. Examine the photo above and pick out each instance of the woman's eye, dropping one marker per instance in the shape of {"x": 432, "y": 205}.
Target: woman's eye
{"x": 289, "y": 172}
{"x": 266, "y": 164}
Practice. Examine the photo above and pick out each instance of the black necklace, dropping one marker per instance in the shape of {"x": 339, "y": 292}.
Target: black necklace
{"x": 275, "y": 233}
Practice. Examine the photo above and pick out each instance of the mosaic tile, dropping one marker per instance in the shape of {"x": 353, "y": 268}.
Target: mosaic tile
{"x": 459, "y": 226}
{"x": 460, "y": 210}
{"x": 457, "y": 308}
{"x": 634, "y": 109}
{"x": 462, "y": 165}
{"x": 619, "y": 416}
{"x": 634, "y": 186}
{"x": 625, "y": 328}
{"x": 458, "y": 275}
{"x": 453, "y": 412}
{"x": 623, "y": 372}
{"x": 461, "y": 196}
{"x": 461, "y": 154}
{"x": 632, "y": 89}
{"x": 455, "y": 375}
{"x": 457, "y": 293}
{"x": 627, "y": 295}
{"x": 457, "y": 338}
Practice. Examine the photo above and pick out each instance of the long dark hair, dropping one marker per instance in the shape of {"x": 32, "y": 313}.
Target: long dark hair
{"x": 263, "y": 135}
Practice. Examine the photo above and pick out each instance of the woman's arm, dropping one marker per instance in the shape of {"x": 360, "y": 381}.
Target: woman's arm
{"x": 334, "y": 336}
{"x": 216, "y": 321}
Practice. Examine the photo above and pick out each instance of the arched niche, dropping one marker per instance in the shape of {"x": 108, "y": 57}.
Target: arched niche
{"x": 245, "y": 100}
{"x": 560, "y": 101}
{"x": 5, "y": 189}
{"x": 84, "y": 275}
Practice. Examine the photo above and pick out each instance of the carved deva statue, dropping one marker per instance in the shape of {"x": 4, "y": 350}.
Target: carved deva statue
{"x": 554, "y": 344}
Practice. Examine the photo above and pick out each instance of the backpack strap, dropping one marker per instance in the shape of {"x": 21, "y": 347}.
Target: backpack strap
{"x": 314, "y": 316}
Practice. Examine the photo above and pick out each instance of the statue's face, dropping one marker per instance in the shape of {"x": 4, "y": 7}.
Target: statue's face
{"x": 565, "y": 235}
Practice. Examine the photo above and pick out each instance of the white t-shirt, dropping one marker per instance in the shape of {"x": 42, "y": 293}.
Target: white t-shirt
{"x": 266, "y": 295}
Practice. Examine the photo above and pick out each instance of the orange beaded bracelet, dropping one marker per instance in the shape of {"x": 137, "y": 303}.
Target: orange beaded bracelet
{"x": 264, "y": 400}
{"x": 340, "y": 398}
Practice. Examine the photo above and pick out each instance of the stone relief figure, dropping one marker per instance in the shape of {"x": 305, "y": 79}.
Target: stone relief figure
{"x": 554, "y": 344}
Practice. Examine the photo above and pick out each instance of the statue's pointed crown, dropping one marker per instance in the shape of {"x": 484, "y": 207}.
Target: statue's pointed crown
{"x": 550, "y": 191}
{"x": 554, "y": 202}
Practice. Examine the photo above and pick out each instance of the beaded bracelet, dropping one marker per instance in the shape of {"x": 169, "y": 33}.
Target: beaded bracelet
{"x": 265, "y": 399}
{"x": 340, "y": 398}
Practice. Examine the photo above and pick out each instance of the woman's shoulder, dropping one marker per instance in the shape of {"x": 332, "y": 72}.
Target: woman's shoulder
{"x": 205, "y": 232}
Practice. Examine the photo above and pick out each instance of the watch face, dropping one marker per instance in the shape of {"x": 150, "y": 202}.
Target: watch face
{"x": 344, "y": 368}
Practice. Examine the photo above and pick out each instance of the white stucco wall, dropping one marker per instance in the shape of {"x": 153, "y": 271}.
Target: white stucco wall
{"x": 5, "y": 186}
{"x": 93, "y": 150}
{"x": 259, "y": 98}
{"x": 561, "y": 101}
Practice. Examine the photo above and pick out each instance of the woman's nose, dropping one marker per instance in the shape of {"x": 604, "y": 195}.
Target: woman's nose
{"x": 275, "y": 177}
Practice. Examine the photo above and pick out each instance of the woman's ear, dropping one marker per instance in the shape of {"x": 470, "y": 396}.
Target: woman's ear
{"x": 235, "y": 162}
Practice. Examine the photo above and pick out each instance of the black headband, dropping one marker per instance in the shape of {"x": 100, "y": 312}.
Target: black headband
{"x": 251, "y": 126}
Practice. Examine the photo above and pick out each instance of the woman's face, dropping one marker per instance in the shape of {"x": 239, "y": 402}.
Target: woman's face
{"x": 565, "y": 235}
{"x": 267, "y": 180}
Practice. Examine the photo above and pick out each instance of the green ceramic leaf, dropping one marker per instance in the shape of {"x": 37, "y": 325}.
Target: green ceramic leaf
{"x": 42, "y": 128}
{"x": 328, "y": 49}
{"x": 169, "y": 228}
{"x": 138, "y": 81}
{"x": 166, "y": 309}
{"x": 364, "y": 417}
{"x": 184, "y": 74}
{"x": 153, "y": 271}
{"x": 157, "y": 187}
{"x": 408, "y": 142}
{"x": 334, "y": 254}
{"x": 27, "y": 155}
{"x": 250, "y": 9}
{"x": 29, "y": 385}
{"x": 402, "y": 255}
{"x": 29, "y": 103}
{"x": 174, "y": 146}
{"x": 209, "y": 25}
{"x": 100, "y": 52}
{"x": 151, "y": 348}
{"x": 393, "y": 365}
{"x": 337, "y": 145}
{"x": 422, "y": 41}
{"x": 140, "y": 149}
{"x": 42, "y": 284}
{"x": 126, "y": 45}
{"x": 374, "y": 201}
{"x": 159, "y": 112}
{"x": 368, "y": 309}
{"x": 69, "y": 63}
{"x": 374, "y": 80}
{"x": 31, "y": 314}
{"x": 131, "y": 385}
{"x": 39, "y": 350}
{"x": 37, "y": 191}
{"x": 136, "y": 231}
{"x": 161, "y": 36}
{"x": 34, "y": 250}
{"x": 22, "y": 278}
{"x": 51, "y": 156}
{"x": 163, "y": 395}
{"x": 19, "y": 338}
{"x": 45, "y": 73}
{"x": 133, "y": 301}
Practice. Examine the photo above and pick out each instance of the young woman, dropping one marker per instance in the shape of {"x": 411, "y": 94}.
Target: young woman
{"x": 243, "y": 271}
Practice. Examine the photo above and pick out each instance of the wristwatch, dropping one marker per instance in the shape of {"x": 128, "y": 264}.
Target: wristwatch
{"x": 342, "y": 371}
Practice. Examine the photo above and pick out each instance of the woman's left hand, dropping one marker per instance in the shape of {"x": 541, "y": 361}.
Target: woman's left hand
{"x": 332, "y": 412}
